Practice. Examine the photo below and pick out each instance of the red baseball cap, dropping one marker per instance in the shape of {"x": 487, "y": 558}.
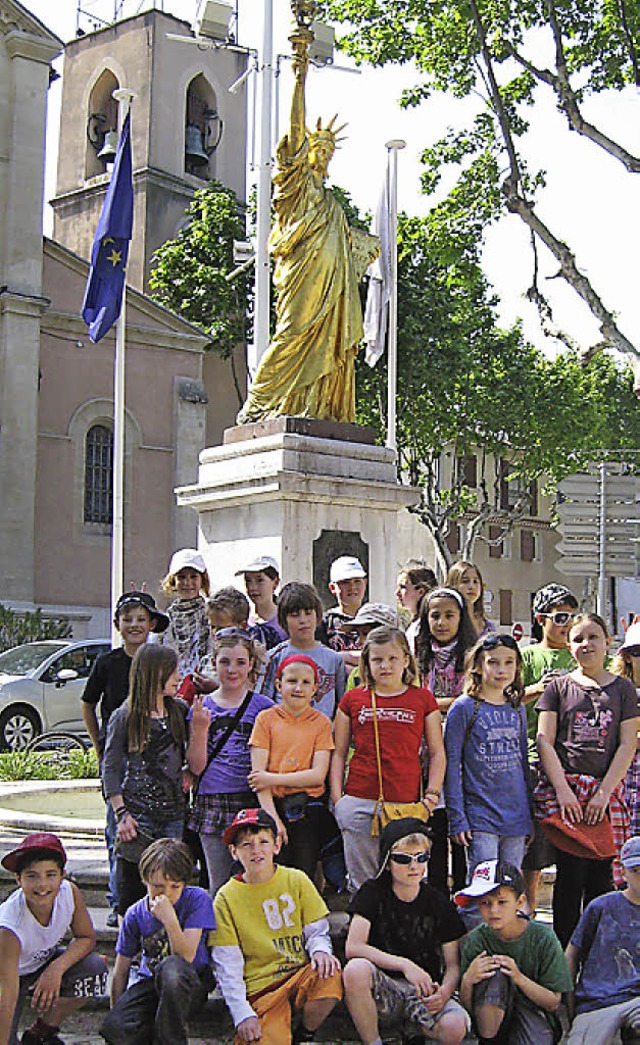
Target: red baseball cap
{"x": 41, "y": 843}
{"x": 249, "y": 818}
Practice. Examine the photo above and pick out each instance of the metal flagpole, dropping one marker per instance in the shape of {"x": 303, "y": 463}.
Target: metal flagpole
{"x": 393, "y": 146}
{"x": 261, "y": 318}
{"x": 124, "y": 96}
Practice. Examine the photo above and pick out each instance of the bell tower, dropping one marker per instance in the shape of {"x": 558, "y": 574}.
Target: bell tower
{"x": 186, "y": 128}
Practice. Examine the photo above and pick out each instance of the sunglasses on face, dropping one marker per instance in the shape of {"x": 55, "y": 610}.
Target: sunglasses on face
{"x": 559, "y": 617}
{"x": 493, "y": 641}
{"x": 409, "y": 858}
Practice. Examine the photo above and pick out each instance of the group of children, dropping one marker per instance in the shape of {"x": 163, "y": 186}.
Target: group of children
{"x": 410, "y": 962}
{"x": 310, "y": 731}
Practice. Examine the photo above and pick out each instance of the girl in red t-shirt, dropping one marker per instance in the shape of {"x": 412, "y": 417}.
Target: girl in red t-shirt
{"x": 405, "y": 714}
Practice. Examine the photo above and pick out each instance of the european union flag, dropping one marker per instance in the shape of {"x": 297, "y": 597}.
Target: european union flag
{"x": 103, "y": 294}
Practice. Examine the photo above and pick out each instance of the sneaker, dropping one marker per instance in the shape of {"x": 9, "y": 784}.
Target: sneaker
{"x": 32, "y": 1037}
{"x": 112, "y": 919}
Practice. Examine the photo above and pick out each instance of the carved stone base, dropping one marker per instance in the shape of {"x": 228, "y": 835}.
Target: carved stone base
{"x": 276, "y": 487}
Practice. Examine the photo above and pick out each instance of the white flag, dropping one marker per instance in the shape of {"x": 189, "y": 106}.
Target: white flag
{"x": 376, "y": 316}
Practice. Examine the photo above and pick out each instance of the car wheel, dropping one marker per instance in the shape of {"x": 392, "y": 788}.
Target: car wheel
{"x": 18, "y": 727}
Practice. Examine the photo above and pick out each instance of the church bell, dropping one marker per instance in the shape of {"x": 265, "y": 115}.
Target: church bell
{"x": 108, "y": 151}
{"x": 195, "y": 154}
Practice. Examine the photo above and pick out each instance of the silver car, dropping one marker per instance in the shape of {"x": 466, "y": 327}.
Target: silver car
{"x": 41, "y": 685}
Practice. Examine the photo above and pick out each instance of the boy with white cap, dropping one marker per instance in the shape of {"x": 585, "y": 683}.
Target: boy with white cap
{"x": 604, "y": 956}
{"x": 513, "y": 970}
{"x": 348, "y": 582}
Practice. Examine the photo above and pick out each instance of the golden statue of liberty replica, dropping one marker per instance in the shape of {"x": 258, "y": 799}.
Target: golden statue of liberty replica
{"x": 308, "y": 369}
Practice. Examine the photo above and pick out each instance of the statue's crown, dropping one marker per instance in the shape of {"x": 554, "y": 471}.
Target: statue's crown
{"x": 328, "y": 133}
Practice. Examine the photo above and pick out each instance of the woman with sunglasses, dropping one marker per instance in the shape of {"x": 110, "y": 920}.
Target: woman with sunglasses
{"x": 548, "y": 657}
{"x": 486, "y": 785}
{"x": 627, "y": 663}
{"x": 218, "y": 752}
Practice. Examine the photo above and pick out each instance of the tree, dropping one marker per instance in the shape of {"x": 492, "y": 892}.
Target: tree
{"x": 487, "y": 49}
{"x": 189, "y": 273}
{"x": 468, "y": 388}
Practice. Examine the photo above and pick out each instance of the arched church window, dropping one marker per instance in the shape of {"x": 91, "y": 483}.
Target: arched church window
{"x": 98, "y": 475}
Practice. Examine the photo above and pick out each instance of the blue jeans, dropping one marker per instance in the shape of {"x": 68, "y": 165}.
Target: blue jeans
{"x": 486, "y": 846}
{"x": 130, "y": 887}
{"x": 157, "y": 1007}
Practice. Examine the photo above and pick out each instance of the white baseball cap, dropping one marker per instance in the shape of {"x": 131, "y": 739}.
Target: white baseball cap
{"x": 187, "y": 557}
{"x": 344, "y": 568}
{"x": 261, "y": 562}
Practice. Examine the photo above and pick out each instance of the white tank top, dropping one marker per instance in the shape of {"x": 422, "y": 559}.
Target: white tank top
{"x": 37, "y": 942}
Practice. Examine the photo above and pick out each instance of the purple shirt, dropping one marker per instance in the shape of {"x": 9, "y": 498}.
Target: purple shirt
{"x": 228, "y": 772}
{"x": 141, "y": 932}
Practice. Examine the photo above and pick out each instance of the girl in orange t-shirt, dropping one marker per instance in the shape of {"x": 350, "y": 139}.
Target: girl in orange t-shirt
{"x": 291, "y": 746}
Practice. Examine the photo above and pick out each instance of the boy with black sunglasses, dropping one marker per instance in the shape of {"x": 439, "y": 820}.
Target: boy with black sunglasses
{"x": 403, "y": 946}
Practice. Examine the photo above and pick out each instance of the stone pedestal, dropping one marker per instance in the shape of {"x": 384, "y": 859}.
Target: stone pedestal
{"x": 304, "y": 492}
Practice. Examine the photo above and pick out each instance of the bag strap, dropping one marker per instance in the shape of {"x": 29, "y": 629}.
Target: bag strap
{"x": 222, "y": 740}
{"x": 377, "y": 742}
{"x": 470, "y": 726}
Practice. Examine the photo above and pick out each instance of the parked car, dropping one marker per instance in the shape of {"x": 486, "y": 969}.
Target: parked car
{"x": 41, "y": 684}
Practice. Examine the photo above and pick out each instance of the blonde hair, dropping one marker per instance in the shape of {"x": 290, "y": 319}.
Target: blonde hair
{"x": 169, "y": 584}
{"x": 379, "y": 637}
{"x": 453, "y": 581}
{"x": 152, "y": 666}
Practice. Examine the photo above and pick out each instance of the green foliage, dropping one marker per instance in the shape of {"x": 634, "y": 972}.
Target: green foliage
{"x": 500, "y": 57}
{"x": 48, "y": 765}
{"x": 467, "y": 386}
{"x": 16, "y": 628}
{"x": 189, "y": 271}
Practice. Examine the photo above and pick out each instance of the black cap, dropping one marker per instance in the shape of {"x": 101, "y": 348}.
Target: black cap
{"x": 397, "y": 830}
{"x": 142, "y": 598}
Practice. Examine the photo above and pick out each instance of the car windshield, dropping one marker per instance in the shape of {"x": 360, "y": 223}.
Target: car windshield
{"x": 23, "y": 659}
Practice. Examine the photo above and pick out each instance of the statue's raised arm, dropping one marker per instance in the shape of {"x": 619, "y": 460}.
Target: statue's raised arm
{"x": 308, "y": 369}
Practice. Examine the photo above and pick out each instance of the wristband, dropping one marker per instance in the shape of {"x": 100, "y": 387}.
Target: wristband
{"x": 433, "y": 791}
{"x": 121, "y": 813}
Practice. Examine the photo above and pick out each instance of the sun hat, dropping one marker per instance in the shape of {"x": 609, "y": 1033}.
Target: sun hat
{"x": 142, "y": 598}
{"x": 42, "y": 843}
{"x": 186, "y": 558}
{"x": 345, "y": 568}
{"x": 374, "y": 614}
{"x": 487, "y": 876}
{"x": 631, "y": 637}
{"x": 260, "y": 563}
{"x": 249, "y": 818}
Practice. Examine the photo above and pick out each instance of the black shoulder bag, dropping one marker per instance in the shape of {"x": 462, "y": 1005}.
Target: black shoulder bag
{"x": 222, "y": 740}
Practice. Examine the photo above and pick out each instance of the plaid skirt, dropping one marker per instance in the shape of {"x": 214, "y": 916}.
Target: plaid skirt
{"x": 632, "y": 787}
{"x": 212, "y": 814}
{"x": 584, "y": 787}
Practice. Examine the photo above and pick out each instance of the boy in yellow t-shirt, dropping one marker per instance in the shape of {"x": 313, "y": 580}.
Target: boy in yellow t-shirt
{"x": 271, "y": 947}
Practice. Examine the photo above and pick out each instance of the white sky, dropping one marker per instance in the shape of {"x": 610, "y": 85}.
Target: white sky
{"x": 589, "y": 201}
